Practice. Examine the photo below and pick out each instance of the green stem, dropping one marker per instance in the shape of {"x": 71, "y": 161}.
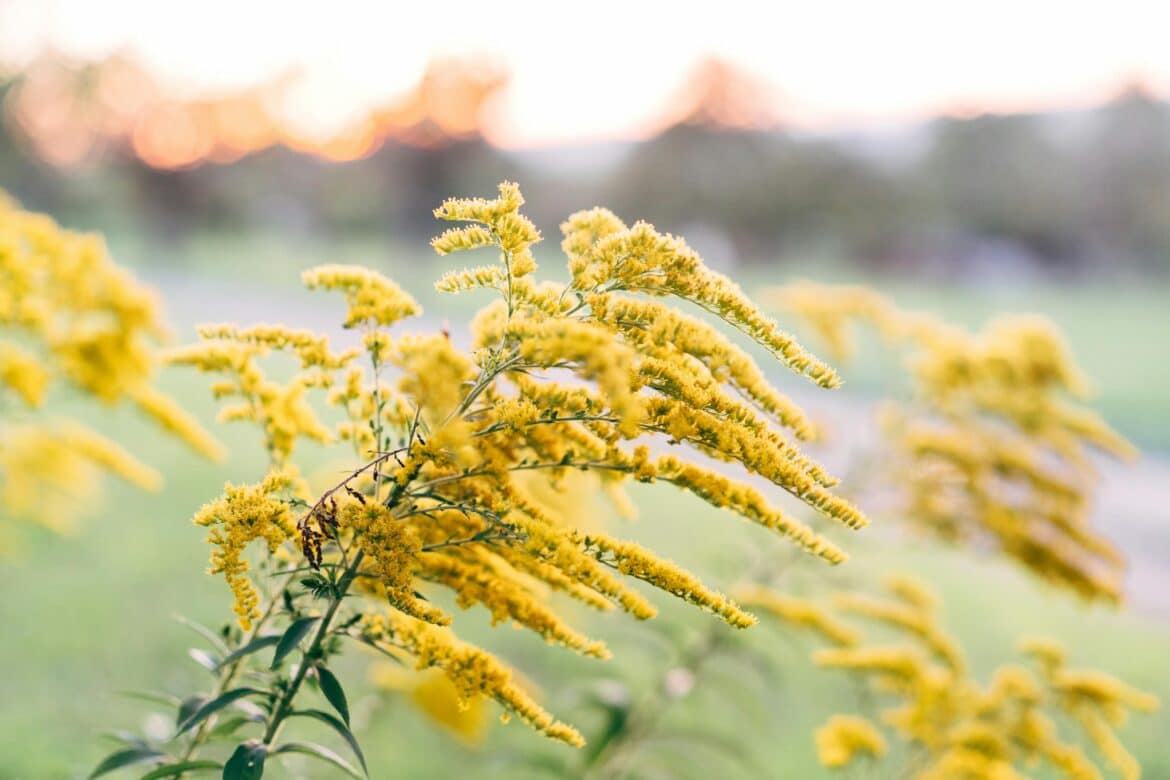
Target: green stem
{"x": 284, "y": 705}
{"x": 228, "y": 674}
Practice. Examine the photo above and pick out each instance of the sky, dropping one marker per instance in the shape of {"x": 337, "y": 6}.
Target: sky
{"x": 601, "y": 70}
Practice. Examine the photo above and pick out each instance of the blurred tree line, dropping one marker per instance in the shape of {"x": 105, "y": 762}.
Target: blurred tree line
{"x": 1069, "y": 193}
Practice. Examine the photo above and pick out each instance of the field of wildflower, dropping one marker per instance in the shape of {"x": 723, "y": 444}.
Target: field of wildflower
{"x": 934, "y": 597}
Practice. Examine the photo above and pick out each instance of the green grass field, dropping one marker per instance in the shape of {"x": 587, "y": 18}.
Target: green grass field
{"x": 93, "y": 614}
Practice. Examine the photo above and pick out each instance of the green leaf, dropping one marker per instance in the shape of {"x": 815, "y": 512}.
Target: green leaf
{"x": 165, "y": 699}
{"x": 230, "y": 726}
{"x": 127, "y": 738}
{"x": 171, "y": 770}
{"x": 127, "y": 757}
{"x": 337, "y": 726}
{"x": 247, "y": 763}
{"x": 374, "y": 646}
{"x": 215, "y": 705}
{"x": 334, "y": 694}
{"x": 323, "y": 753}
{"x": 259, "y": 643}
{"x": 211, "y": 636}
{"x": 189, "y": 705}
{"x": 292, "y": 637}
{"x": 204, "y": 659}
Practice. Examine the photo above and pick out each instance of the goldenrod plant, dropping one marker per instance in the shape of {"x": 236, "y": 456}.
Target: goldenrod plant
{"x": 939, "y": 721}
{"x": 995, "y": 444}
{"x": 458, "y": 456}
{"x": 951, "y": 725}
{"x": 72, "y": 324}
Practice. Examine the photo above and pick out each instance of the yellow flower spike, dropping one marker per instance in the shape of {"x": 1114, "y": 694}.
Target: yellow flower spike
{"x": 649, "y": 324}
{"x": 47, "y": 471}
{"x": 720, "y": 491}
{"x": 491, "y": 277}
{"x": 502, "y": 226}
{"x": 372, "y": 298}
{"x": 633, "y": 560}
{"x": 109, "y": 456}
{"x": 1049, "y": 652}
{"x": 23, "y": 373}
{"x": 243, "y": 514}
{"x": 966, "y": 764}
{"x": 1102, "y": 691}
{"x": 472, "y": 670}
{"x": 458, "y": 239}
{"x": 799, "y": 612}
{"x": 433, "y": 374}
{"x": 172, "y": 417}
{"x": 600, "y": 359}
{"x": 71, "y": 318}
{"x": 392, "y": 547}
{"x": 474, "y": 582}
{"x": 899, "y": 662}
{"x": 845, "y": 737}
{"x": 909, "y": 619}
{"x": 640, "y": 259}
{"x": 912, "y": 591}
{"x": 996, "y": 446}
{"x": 957, "y": 727}
{"x": 1106, "y": 741}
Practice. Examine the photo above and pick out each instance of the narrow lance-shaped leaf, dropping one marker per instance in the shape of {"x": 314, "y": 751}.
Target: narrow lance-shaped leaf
{"x": 128, "y": 757}
{"x": 230, "y": 726}
{"x": 127, "y": 738}
{"x": 190, "y": 706}
{"x": 181, "y": 768}
{"x": 337, "y": 726}
{"x": 334, "y": 694}
{"x": 154, "y": 697}
{"x": 259, "y": 643}
{"x": 215, "y": 705}
{"x": 299, "y": 629}
{"x": 323, "y": 753}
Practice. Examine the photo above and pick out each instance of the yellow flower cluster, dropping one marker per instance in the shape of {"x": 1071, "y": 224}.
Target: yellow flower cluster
{"x": 23, "y": 374}
{"x": 477, "y": 576}
{"x": 47, "y": 470}
{"x": 472, "y": 465}
{"x": 243, "y": 514}
{"x": 497, "y": 223}
{"x": 633, "y": 560}
{"x": 799, "y": 612}
{"x": 392, "y": 546}
{"x": 70, "y": 317}
{"x": 436, "y": 696}
{"x": 995, "y": 444}
{"x": 961, "y": 728}
{"x": 373, "y": 299}
{"x": 606, "y": 256}
{"x": 434, "y": 373}
{"x": 845, "y": 737}
{"x": 474, "y": 672}
{"x": 282, "y": 410}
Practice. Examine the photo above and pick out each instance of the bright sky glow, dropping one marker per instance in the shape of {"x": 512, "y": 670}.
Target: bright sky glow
{"x": 597, "y": 69}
